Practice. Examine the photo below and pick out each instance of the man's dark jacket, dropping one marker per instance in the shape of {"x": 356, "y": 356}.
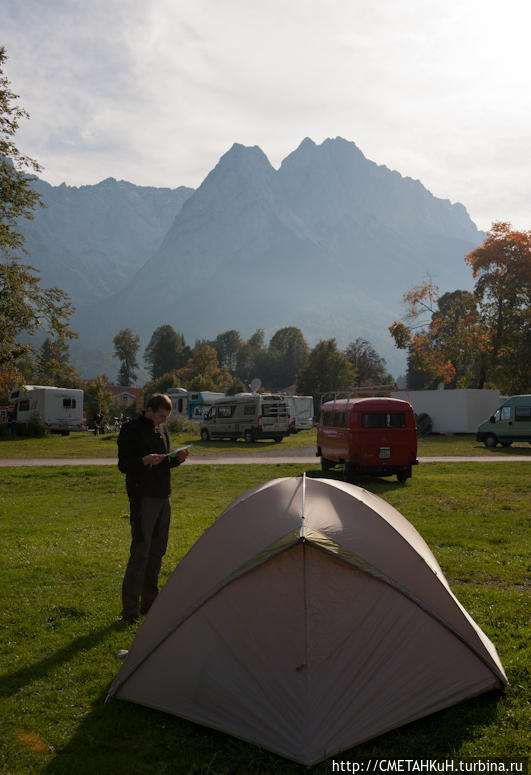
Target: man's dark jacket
{"x": 137, "y": 439}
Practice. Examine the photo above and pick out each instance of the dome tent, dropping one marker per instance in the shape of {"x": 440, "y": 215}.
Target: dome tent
{"x": 309, "y": 617}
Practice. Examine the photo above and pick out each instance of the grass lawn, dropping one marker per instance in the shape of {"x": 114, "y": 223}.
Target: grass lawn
{"x": 86, "y": 445}
{"x": 64, "y": 538}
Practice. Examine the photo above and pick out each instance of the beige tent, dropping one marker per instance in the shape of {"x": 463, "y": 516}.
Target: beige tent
{"x": 309, "y": 617}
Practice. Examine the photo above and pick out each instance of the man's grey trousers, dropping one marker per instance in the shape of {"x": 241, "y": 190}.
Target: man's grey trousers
{"x": 150, "y": 524}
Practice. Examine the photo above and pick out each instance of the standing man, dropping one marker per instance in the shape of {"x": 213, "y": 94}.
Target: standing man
{"x": 142, "y": 447}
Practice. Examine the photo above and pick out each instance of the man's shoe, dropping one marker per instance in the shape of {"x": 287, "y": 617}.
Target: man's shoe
{"x": 130, "y": 618}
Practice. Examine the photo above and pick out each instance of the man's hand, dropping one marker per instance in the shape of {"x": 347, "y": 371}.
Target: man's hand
{"x": 152, "y": 459}
{"x": 182, "y": 455}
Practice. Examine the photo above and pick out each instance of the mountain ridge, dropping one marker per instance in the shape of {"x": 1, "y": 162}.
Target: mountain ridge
{"x": 328, "y": 242}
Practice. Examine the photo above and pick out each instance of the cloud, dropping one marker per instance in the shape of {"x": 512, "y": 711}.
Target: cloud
{"x": 156, "y": 92}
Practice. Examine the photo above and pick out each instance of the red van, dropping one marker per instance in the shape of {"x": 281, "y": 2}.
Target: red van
{"x": 368, "y": 436}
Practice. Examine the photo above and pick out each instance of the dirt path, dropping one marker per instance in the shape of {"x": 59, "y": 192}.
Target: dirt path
{"x": 274, "y": 457}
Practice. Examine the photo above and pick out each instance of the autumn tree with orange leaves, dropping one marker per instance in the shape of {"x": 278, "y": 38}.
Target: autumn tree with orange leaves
{"x": 502, "y": 271}
{"x": 473, "y": 339}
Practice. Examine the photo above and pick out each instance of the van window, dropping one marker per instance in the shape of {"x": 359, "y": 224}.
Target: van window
{"x": 23, "y": 406}
{"x": 249, "y": 409}
{"x": 226, "y": 411}
{"x": 274, "y": 410}
{"x": 69, "y": 403}
{"x": 522, "y": 413}
{"x": 340, "y": 420}
{"x": 505, "y": 413}
{"x": 381, "y": 420}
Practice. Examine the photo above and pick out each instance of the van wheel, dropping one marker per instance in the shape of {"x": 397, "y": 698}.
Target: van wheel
{"x": 506, "y": 443}
{"x": 277, "y": 439}
{"x": 402, "y": 477}
{"x": 248, "y": 436}
{"x": 490, "y": 441}
{"x": 205, "y": 435}
{"x": 326, "y": 465}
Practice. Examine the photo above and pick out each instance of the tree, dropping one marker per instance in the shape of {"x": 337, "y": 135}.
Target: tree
{"x": 97, "y": 390}
{"x": 471, "y": 340}
{"x": 17, "y": 198}
{"x": 287, "y": 355}
{"x": 502, "y": 271}
{"x": 126, "y": 345}
{"x": 163, "y": 383}
{"x": 237, "y": 387}
{"x": 430, "y": 338}
{"x": 25, "y": 307}
{"x": 327, "y": 369}
{"x": 370, "y": 367}
{"x": 53, "y": 367}
{"x": 204, "y": 373}
{"x": 227, "y": 345}
{"x": 166, "y": 351}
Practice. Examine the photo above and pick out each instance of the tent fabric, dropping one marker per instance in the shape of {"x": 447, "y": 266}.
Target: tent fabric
{"x": 309, "y": 617}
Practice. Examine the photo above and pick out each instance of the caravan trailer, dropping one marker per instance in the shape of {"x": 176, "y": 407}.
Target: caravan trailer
{"x": 61, "y": 409}
{"x": 300, "y": 413}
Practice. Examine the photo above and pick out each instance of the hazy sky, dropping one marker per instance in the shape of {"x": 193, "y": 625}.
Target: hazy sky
{"x": 155, "y": 91}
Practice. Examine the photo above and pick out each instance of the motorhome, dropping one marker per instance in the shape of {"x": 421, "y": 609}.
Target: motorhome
{"x": 510, "y": 422}
{"x": 300, "y": 413}
{"x": 61, "y": 409}
{"x": 249, "y": 416}
{"x": 375, "y": 436}
{"x": 179, "y": 401}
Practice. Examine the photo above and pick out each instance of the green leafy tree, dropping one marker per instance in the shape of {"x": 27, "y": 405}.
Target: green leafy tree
{"x": 25, "y": 307}
{"x": 102, "y": 398}
{"x": 228, "y": 345}
{"x": 163, "y": 383}
{"x": 53, "y": 366}
{"x": 17, "y": 198}
{"x": 287, "y": 355}
{"x": 204, "y": 373}
{"x": 238, "y": 386}
{"x": 166, "y": 351}
{"x": 369, "y": 366}
{"x": 126, "y": 345}
{"x": 327, "y": 369}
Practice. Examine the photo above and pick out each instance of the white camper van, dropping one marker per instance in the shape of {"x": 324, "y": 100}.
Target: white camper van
{"x": 61, "y": 409}
{"x": 300, "y": 413}
{"x": 248, "y": 416}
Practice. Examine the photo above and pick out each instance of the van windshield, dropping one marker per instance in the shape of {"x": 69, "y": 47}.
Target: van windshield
{"x": 381, "y": 420}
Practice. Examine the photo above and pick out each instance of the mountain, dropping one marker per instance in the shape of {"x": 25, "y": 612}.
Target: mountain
{"x": 329, "y": 242}
{"x": 91, "y": 240}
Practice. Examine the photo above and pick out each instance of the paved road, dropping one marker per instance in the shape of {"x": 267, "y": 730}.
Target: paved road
{"x": 265, "y": 458}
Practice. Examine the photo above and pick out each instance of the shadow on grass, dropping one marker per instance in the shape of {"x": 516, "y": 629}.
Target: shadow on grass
{"x": 11, "y": 683}
{"x": 374, "y": 484}
{"x": 126, "y": 739}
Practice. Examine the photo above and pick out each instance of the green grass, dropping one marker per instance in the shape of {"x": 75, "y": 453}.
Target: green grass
{"x": 86, "y": 445}
{"x": 64, "y": 538}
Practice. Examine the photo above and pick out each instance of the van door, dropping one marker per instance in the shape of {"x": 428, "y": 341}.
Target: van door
{"x": 522, "y": 423}
{"x": 225, "y": 425}
{"x": 503, "y": 424}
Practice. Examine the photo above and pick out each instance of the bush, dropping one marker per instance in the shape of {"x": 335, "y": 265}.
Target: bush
{"x": 179, "y": 424}
{"x": 36, "y": 426}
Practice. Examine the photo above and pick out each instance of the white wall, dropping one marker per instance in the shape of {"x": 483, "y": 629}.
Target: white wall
{"x": 452, "y": 411}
